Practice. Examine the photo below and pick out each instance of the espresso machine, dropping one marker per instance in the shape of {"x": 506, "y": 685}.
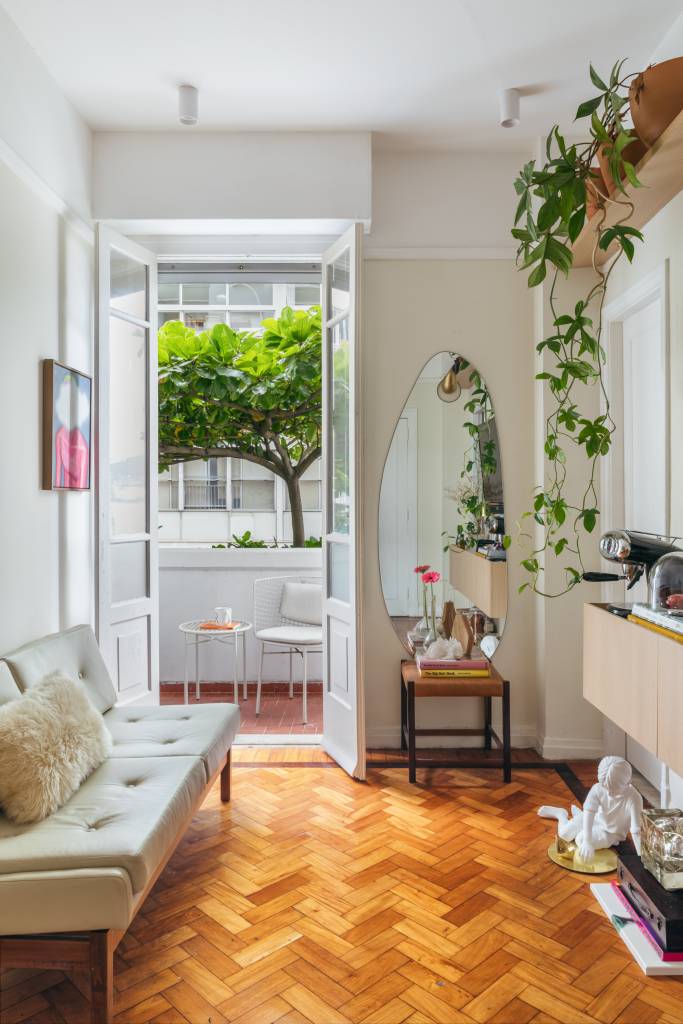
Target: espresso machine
{"x": 635, "y": 554}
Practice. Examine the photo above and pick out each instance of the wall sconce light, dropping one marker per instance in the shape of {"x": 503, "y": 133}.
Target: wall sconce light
{"x": 449, "y": 388}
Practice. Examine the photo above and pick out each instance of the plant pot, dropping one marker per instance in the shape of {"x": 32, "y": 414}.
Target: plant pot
{"x": 656, "y": 98}
{"x": 595, "y": 192}
{"x": 633, "y": 153}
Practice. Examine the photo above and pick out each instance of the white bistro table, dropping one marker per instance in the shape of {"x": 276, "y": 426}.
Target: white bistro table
{"x": 195, "y": 637}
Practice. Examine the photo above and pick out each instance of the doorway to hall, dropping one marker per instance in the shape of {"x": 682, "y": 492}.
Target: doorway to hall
{"x": 240, "y": 485}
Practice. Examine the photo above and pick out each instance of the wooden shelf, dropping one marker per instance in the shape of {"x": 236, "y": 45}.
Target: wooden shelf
{"x": 482, "y": 581}
{"x": 661, "y": 174}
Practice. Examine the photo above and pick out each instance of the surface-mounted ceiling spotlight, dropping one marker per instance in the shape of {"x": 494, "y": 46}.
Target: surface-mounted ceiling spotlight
{"x": 509, "y": 108}
{"x": 188, "y": 104}
{"x": 448, "y": 388}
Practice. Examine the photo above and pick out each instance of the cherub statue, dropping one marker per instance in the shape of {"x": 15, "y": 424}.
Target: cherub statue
{"x": 611, "y": 810}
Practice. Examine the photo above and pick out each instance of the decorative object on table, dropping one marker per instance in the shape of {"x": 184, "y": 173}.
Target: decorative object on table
{"x": 423, "y": 625}
{"x": 429, "y": 578}
{"x": 656, "y": 97}
{"x": 611, "y": 810}
{"x": 67, "y": 427}
{"x": 447, "y": 618}
{"x": 659, "y": 908}
{"x": 662, "y": 846}
{"x": 462, "y": 631}
{"x": 223, "y": 615}
{"x": 665, "y": 591}
{"x": 489, "y": 643}
{"x": 210, "y": 624}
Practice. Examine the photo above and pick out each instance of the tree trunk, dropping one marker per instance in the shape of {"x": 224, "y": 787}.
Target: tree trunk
{"x": 296, "y": 507}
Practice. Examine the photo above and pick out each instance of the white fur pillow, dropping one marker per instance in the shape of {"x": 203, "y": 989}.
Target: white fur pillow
{"x": 51, "y": 739}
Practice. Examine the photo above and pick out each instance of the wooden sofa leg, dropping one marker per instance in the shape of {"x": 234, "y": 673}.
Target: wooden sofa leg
{"x": 225, "y": 779}
{"x": 101, "y": 978}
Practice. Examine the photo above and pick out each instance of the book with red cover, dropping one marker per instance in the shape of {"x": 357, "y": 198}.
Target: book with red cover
{"x": 459, "y": 664}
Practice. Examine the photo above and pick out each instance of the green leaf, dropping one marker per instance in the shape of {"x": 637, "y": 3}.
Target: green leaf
{"x": 537, "y": 275}
{"x": 596, "y": 80}
{"x": 587, "y": 108}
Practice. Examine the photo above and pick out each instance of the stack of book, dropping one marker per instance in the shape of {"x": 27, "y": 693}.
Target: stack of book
{"x": 453, "y": 668}
{"x": 660, "y": 622}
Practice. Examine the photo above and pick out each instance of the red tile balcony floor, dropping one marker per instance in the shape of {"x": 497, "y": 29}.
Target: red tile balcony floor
{"x": 279, "y": 715}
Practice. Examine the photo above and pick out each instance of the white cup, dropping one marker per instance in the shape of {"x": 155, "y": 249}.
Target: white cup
{"x": 223, "y": 615}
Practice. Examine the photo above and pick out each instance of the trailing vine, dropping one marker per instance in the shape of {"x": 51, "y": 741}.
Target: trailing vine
{"x": 551, "y": 213}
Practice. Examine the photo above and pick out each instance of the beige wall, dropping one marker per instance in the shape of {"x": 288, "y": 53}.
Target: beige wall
{"x": 490, "y": 322}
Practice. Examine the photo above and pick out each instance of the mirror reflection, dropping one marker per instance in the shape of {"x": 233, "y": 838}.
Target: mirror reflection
{"x": 442, "y": 512}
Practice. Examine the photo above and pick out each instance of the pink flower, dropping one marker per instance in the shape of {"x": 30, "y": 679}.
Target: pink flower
{"x": 431, "y": 577}
{"x": 420, "y": 569}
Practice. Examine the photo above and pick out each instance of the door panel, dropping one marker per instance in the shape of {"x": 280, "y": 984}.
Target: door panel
{"x": 127, "y": 605}
{"x": 343, "y": 712}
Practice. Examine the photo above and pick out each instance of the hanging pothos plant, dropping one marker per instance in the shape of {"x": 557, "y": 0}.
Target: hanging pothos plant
{"x": 481, "y": 459}
{"x": 551, "y": 214}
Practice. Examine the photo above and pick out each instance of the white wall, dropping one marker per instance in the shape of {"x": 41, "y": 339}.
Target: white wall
{"x": 311, "y": 175}
{"x": 459, "y": 203}
{"x": 46, "y": 297}
{"x": 39, "y": 128}
{"x": 46, "y": 538}
{"x": 194, "y": 581}
{"x": 414, "y": 309}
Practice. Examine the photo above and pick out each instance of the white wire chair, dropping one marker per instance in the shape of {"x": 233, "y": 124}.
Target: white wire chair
{"x": 273, "y": 629}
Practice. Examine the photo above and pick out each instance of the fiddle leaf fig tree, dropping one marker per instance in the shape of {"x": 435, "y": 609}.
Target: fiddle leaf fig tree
{"x": 243, "y": 395}
{"x": 551, "y": 213}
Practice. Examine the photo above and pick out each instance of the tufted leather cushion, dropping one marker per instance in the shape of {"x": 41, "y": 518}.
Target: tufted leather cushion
{"x": 304, "y": 636}
{"x": 201, "y": 730}
{"x": 74, "y": 653}
{"x": 126, "y": 815}
{"x": 65, "y": 901}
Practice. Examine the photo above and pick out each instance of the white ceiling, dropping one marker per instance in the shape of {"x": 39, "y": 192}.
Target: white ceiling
{"x": 418, "y": 72}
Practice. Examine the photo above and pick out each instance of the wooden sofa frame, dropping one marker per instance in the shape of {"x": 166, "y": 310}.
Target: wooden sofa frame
{"x": 93, "y": 951}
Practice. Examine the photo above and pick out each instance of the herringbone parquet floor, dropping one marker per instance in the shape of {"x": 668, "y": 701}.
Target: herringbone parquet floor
{"x": 312, "y": 899}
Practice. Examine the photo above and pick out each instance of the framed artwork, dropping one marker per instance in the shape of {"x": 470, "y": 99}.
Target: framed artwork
{"x": 67, "y": 427}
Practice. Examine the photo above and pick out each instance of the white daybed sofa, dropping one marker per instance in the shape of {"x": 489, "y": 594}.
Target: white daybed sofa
{"x": 71, "y": 885}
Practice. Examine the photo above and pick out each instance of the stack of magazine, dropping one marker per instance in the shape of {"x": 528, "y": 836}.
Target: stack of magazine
{"x": 453, "y": 668}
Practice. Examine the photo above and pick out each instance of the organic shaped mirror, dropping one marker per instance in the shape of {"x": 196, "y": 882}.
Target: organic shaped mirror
{"x": 441, "y": 508}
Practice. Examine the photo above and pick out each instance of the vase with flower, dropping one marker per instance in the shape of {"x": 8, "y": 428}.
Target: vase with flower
{"x": 423, "y": 625}
{"x": 429, "y": 578}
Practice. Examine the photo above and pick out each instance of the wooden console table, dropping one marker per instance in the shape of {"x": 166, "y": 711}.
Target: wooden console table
{"x": 412, "y": 686}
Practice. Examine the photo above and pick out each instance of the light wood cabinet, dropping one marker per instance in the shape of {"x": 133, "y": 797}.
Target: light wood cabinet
{"x": 635, "y": 677}
{"x": 485, "y": 583}
{"x": 670, "y": 716}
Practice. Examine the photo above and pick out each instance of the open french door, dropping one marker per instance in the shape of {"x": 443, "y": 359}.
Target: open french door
{"x": 343, "y": 703}
{"x": 127, "y": 506}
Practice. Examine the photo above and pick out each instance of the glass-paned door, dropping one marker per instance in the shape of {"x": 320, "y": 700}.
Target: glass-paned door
{"x": 127, "y": 500}
{"x": 343, "y": 710}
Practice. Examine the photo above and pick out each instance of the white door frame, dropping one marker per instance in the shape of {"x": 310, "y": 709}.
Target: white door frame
{"x": 109, "y": 615}
{"x": 344, "y": 710}
{"x": 652, "y": 287}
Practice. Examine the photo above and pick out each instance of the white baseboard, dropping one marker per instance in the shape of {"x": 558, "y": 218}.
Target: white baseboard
{"x": 389, "y": 737}
{"x": 562, "y": 748}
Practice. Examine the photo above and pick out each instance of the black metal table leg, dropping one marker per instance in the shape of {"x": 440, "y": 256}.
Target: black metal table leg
{"x": 412, "y": 766}
{"x": 404, "y": 717}
{"x": 487, "y": 723}
{"x": 507, "y": 753}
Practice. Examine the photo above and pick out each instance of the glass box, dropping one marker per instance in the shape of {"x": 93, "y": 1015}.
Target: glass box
{"x": 666, "y": 584}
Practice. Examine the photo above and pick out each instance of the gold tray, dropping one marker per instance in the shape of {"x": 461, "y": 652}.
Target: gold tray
{"x": 565, "y": 855}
